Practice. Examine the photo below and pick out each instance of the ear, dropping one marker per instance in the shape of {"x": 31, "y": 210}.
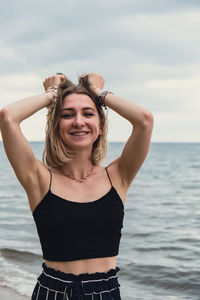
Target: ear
{"x": 101, "y": 127}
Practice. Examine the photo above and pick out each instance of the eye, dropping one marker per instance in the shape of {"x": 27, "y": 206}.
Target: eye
{"x": 88, "y": 114}
{"x": 67, "y": 116}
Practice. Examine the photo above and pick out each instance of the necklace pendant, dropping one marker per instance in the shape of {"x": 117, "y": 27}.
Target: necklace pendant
{"x": 82, "y": 179}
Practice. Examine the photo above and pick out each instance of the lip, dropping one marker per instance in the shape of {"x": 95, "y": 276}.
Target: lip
{"x": 79, "y": 133}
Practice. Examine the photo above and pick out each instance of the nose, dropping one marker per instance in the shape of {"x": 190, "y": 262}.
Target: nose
{"x": 78, "y": 121}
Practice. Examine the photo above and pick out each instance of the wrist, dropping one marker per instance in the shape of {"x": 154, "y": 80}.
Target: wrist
{"x": 50, "y": 95}
{"x": 102, "y": 96}
{"x": 52, "y": 92}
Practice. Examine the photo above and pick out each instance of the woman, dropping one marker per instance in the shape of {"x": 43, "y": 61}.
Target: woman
{"x": 77, "y": 204}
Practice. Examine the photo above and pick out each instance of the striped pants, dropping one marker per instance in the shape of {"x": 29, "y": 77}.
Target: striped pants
{"x": 57, "y": 285}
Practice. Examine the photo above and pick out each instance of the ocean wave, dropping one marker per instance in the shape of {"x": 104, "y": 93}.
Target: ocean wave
{"x": 164, "y": 278}
{"x": 21, "y": 256}
{"x": 161, "y": 248}
{"x": 16, "y": 275}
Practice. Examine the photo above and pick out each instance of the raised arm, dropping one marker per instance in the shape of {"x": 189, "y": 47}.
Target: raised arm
{"x": 16, "y": 146}
{"x": 137, "y": 146}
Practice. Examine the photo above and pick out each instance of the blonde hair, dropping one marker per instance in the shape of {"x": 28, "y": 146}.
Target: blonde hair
{"x": 56, "y": 153}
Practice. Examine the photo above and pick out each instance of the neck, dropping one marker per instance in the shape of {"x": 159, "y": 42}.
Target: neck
{"x": 79, "y": 167}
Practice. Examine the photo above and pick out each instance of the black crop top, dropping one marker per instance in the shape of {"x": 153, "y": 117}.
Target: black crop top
{"x": 71, "y": 230}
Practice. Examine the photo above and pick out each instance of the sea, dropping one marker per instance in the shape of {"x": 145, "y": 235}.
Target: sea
{"x": 159, "y": 255}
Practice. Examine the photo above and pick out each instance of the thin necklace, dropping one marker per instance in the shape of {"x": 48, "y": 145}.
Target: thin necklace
{"x": 82, "y": 179}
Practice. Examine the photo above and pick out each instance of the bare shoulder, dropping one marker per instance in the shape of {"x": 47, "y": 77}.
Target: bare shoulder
{"x": 115, "y": 176}
{"x": 38, "y": 184}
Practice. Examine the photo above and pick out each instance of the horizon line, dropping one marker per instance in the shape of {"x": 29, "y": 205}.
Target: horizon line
{"x": 153, "y": 142}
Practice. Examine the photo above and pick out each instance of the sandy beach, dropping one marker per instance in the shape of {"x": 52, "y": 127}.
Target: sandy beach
{"x": 7, "y": 293}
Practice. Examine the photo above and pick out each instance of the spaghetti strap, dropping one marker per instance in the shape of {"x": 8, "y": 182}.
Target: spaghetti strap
{"x": 106, "y": 168}
{"x": 50, "y": 179}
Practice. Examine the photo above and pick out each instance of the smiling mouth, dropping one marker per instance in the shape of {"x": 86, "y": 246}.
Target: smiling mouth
{"x": 80, "y": 133}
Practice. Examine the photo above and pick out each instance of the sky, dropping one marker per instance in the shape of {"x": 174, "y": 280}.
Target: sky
{"x": 148, "y": 51}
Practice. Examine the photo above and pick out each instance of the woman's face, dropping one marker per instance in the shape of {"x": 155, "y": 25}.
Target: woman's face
{"x": 79, "y": 124}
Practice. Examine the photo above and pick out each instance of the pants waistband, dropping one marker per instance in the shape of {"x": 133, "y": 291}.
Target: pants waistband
{"x": 77, "y": 285}
{"x": 112, "y": 273}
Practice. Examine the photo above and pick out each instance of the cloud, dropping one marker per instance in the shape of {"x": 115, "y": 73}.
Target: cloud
{"x": 147, "y": 50}
{"x": 82, "y": 30}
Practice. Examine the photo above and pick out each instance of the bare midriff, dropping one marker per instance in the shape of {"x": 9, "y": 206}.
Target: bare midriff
{"x": 92, "y": 265}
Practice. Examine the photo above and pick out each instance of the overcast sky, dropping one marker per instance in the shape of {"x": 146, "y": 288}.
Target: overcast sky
{"x": 147, "y": 50}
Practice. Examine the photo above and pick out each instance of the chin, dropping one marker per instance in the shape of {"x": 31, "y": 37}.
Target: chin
{"x": 80, "y": 145}
{"x": 85, "y": 143}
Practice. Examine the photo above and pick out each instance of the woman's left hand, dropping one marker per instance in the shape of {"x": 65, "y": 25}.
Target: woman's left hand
{"x": 96, "y": 82}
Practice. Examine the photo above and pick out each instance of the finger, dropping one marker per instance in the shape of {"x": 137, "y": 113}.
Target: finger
{"x": 62, "y": 75}
{"x": 85, "y": 75}
{"x": 63, "y": 78}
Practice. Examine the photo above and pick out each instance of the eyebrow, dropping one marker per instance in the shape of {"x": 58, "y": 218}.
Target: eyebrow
{"x": 72, "y": 109}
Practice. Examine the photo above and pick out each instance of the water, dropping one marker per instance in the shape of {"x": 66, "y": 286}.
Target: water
{"x": 159, "y": 253}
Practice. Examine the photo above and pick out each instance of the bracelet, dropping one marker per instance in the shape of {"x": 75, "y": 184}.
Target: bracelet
{"x": 52, "y": 106}
{"x": 50, "y": 95}
{"x": 54, "y": 90}
{"x": 102, "y": 96}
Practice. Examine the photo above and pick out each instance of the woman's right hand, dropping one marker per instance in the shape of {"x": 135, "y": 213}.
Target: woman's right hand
{"x": 54, "y": 80}
{"x": 95, "y": 81}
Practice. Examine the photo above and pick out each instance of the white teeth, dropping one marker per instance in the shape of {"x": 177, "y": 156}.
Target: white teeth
{"x": 79, "y": 133}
